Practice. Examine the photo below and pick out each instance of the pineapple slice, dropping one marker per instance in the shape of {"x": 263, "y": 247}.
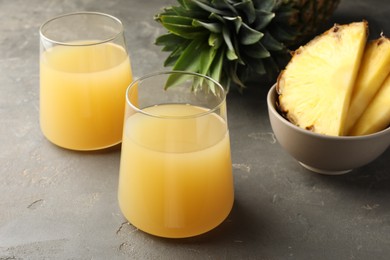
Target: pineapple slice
{"x": 376, "y": 117}
{"x": 373, "y": 71}
{"x": 315, "y": 88}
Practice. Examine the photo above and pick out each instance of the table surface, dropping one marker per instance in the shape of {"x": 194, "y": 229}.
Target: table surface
{"x": 60, "y": 204}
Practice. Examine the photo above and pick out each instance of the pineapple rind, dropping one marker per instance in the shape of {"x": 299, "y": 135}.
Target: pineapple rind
{"x": 376, "y": 117}
{"x": 373, "y": 71}
{"x": 315, "y": 88}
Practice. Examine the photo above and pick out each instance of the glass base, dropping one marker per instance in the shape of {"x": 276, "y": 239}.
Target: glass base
{"x": 110, "y": 147}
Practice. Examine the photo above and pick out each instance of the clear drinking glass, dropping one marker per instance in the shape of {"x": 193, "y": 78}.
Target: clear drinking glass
{"x": 84, "y": 72}
{"x": 176, "y": 173}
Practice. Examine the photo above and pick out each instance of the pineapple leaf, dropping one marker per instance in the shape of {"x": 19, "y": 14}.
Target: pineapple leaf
{"x": 272, "y": 69}
{"x": 206, "y": 59}
{"x": 233, "y": 75}
{"x": 237, "y": 21}
{"x": 216, "y": 66}
{"x": 189, "y": 60}
{"x": 169, "y": 41}
{"x": 212, "y": 27}
{"x": 215, "y": 40}
{"x": 257, "y": 66}
{"x": 283, "y": 35}
{"x": 248, "y": 10}
{"x": 167, "y": 11}
{"x": 224, "y": 4}
{"x": 185, "y": 31}
{"x": 270, "y": 43}
{"x": 248, "y": 35}
{"x": 187, "y": 4}
{"x": 171, "y": 59}
{"x": 257, "y": 51}
{"x": 175, "y": 79}
{"x": 231, "y": 54}
{"x": 267, "y": 6}
{"x": 176, "y": 19}
{"x": 263, "y": 19}
{"x": 210, "y": 9}
{"x": 214, "y": 16}
{"x": 180, "y": 10}
{"x": 175, "y": 54}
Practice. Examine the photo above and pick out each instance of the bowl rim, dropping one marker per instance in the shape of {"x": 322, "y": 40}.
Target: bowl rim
{"x": 272, "y": 107}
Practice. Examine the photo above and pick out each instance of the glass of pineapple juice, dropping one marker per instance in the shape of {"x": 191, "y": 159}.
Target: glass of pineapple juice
{"x": 84, "y": 72}
{"x": 176, "y": 172}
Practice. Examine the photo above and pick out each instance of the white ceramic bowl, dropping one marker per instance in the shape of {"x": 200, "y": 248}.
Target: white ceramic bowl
{"x": 321, "y": 153}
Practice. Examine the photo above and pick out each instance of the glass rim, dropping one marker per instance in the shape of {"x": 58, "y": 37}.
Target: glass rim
{"x": 150, "y": 75}
{"x": 109, "y": 39}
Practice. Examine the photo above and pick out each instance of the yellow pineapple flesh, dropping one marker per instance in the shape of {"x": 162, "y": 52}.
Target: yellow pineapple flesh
{"x": 316, "y": 85}
{"x": 376, "y": 116}
{"x": 373, "y": 71}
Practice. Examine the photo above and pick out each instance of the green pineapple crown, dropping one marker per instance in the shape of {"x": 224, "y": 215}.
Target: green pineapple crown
{"x": 238, "y": 41}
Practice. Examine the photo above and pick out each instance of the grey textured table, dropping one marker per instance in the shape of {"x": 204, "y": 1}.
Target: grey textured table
{"x": 59, "y": 204}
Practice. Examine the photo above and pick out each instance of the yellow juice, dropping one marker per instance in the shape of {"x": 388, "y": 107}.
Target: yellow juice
{"x": 82, "y": 95}
{"x": 175, "y": 174}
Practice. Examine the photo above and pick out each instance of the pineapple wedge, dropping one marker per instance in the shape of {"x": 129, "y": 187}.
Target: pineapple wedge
{"x": 373, "y": 71}
{"x": 376, "y": 117}
{"x": 315, "y": 87}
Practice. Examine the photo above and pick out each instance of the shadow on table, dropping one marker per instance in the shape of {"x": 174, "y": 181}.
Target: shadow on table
{"x": 375, "y": 175}
{"x": 245, "y": 227}
{"x": 367, "y": 185}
